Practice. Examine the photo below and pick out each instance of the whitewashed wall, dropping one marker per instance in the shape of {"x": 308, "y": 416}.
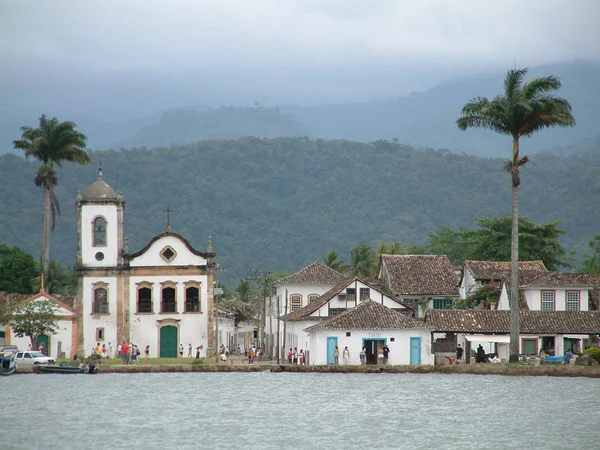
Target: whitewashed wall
{"x": 93, "y": 321}
{"x": 534, "y": 299}
{"x": 111, "y": 250}
{"x": 399, "y": 350}
{"x": 152, "y": 258}
{"x": 192, "y": 327}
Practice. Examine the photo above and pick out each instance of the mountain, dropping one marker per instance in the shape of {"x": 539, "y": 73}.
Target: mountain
{"x": 183, "y": 126}
{"x": 427, "y": 119}
{"x": 281, "y": 203}
{"x": 421, "y": 119}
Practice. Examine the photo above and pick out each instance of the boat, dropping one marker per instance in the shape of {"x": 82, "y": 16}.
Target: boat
{"x": 8, "y": 364}
{"x": 67, "y": 368}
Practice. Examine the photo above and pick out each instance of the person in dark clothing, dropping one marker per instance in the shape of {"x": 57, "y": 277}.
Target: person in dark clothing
{"x": 480, "y": 354}
{"x": 459, "y": 353}
{"x": 386, "y": 353}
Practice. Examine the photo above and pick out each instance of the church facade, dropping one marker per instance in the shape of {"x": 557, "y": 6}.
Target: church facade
{"x": 161, "y": 295}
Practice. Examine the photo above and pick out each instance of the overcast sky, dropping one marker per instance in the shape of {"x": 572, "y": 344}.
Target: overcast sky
{"x": 287, "y": 49}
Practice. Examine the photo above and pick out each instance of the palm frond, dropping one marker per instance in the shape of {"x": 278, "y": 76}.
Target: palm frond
{"x": 513, "y": 83}
{"x": 539, "y": 86}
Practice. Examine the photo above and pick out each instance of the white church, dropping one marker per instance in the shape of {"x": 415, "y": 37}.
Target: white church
{"x": 161, "y": 295}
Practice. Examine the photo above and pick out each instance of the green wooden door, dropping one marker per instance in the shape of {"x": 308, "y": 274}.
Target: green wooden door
{"x": 168, "y": 342}
{"x": 43, "y": 339}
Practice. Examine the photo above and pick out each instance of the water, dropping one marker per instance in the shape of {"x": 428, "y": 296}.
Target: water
{"x": 297, "y": 411}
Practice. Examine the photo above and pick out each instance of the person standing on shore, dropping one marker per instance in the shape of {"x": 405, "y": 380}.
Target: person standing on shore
{"x": 386, "y": 354}
{"x": 459, "y": 353}
{"x": 290, "y": 356}
{"x": 363, "y": 356}
{"x": 336, "y": 355}
{"x": 346, "y": 355}
{"x": 189, "y": 351}
{"x": 181, "y": 350}
{"x": 109, "y": 351}
{"x": 124, "y": 352}
{"x": 295, "y": 355}
{"x": 119, "y": 351}
{"x": 301, "y": 357}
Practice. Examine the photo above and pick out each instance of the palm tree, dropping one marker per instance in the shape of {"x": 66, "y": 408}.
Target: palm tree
{"x": 333, "y": 261}
{"x": 394, "y": 248}
{"x": 521, "y": 111}
{"x": 364, "y": 261}
{"x": 52, "y": 143}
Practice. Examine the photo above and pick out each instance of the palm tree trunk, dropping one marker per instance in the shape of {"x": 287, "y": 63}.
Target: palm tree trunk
{"x": 514, "y": 259}
{"x": 45, "y": 246}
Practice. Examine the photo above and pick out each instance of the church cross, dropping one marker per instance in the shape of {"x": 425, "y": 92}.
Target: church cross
{"x": 168, "y": 211}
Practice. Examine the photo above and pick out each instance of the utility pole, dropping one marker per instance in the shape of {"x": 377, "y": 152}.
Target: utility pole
{"x": 216, "y": 292}
{"x": 262, "y": 279}
{"x": 285, "y": 321}
{"x": 277, "y": 347}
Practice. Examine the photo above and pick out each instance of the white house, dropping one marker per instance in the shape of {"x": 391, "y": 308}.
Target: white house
{"x": 161, "y": 295}
{"x": 61, "y": 344}
{"x": 345, "y": 295}
{"x": 476, "y": 274}
{"x": 297, "y": 291}
{"x": 371, "y": 325}
{"x": 553, "y": 291}
{"x": 421, "y": 281}
{"x": 553, "y": 331}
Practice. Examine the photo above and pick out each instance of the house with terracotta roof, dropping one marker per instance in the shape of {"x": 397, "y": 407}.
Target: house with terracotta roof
{"x": 420, "y": 281}
{"x": 476, "y": 274}
{"x": 370, "y": 325}
{"x": 553, "y": 331}
{"x": 347, "y": 294}
{"x": 61, "y": 344}
{"x": 554, "y": 291}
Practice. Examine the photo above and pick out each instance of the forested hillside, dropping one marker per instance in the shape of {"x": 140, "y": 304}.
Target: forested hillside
{"x": 281, "y": 203}
{"x": 183, "y": 126}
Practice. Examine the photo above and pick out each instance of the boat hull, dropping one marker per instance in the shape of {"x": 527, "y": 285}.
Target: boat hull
{"x": 67, "y": 369}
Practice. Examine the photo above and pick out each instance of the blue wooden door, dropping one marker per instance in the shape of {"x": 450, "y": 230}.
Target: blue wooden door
{"x": 331, "y": 345}
{"x": 415, "y": 350}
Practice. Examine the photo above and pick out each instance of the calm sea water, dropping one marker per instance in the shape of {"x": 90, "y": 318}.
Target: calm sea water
{"x": 298, "y": 411}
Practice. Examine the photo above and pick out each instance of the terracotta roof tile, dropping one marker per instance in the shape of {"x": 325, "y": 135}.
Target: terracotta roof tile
{"x": 555, "y": 280}
{"x": 314, "y": 273}
{"x": 370, "y": 315}
{"x": 420, "y": 274}
{"x": 532, "y": 322}
{"x": 496, "y": 270}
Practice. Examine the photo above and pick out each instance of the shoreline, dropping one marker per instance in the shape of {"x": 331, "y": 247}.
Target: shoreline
{"x": 468, "y": 369}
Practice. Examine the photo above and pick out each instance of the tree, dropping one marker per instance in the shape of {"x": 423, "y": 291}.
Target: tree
{"x": 591, "y": 262}
{"x": 333, "y": 261}
{"x": 490, "y": 242}
{"x": 521, "y": 111}
{"x": 392, "y": 248}
{"x": 52, "y": 144}
{"x": 18, "y": 270}
{"x": 364, "y": 261}
{"x": 34, "y": 319}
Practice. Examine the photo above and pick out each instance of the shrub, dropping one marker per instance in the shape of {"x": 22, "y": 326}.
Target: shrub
{"x": 594, "y": 352}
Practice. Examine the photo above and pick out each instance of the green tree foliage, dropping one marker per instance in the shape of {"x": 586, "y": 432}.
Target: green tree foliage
{"x": 591, "y": 261}
{"x": 391, "y": 248}
{"x": 284, "y": 202}
{"x": 364, "y": 261}
{"x": 482, "y": 298}
{"x": 18, "y": 270}
{"x": 52, "y": 144}
{"x": 491, "y": 242}
{"x": 334, "y": 261}
{"x": 34, "y": 319}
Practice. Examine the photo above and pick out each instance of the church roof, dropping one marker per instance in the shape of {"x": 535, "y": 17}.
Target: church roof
{"x": 99, "y": 191}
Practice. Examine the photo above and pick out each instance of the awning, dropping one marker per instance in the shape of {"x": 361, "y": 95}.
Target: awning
{"x": 500, "y": 338}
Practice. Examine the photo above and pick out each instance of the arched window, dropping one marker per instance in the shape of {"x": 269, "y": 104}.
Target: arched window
{"x": 144, "y": 300}
{"x": 192, "y": 299}
{"x": 99, "y": 231}
{"x": 100, "y": 301}
{"x": 313, "y": 297}
{"x": 296, "y": 302}
{"x": 168, "y": 302}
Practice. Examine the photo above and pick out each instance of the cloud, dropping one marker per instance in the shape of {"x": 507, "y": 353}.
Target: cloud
{"x": 116, "y": 34}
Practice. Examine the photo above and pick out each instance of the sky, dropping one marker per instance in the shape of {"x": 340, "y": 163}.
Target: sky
{"x": 168, "y": 53}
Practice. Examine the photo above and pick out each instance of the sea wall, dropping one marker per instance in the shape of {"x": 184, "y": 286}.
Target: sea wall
{"x": 473, "y": 369}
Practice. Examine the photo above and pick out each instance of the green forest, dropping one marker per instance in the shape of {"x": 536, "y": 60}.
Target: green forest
{"x": 282, "y": 203}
